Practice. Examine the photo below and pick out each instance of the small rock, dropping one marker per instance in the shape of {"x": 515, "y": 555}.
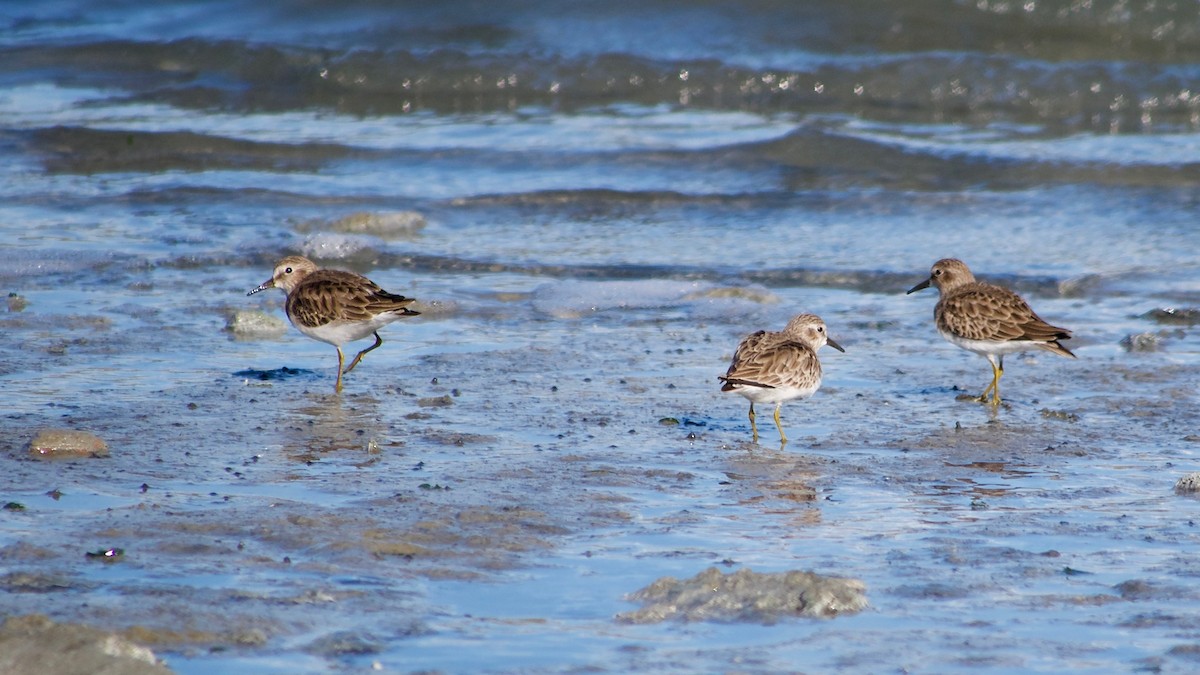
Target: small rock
{"x": 35, "y": 644}
{"x": 1188, "y": 485}
{"x": 746, "y": 596}
{"x": 254, "y": 324}
{"x": 435, "y": 401}
{"x": 67, "y": 444}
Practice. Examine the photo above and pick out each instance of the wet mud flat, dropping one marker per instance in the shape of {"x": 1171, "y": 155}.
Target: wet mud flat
{"x": 538, "y": 474}
{"x": 561, "y": 474}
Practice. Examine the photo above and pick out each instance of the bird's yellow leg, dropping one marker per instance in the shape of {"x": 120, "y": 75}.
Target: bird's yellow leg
{"x": 378, "y": 341}
{"x": 779, "y": 425}
{"x": 994, "y": 387}
{"x": 753, "y": 426}
{"x": 341, "y": 359}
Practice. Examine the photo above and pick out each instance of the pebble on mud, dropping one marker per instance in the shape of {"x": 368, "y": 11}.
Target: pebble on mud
{"x": 254, "y": 324}
{"x": 66, "y": 444}
{"x": 746, "y": 595}
{"x": 35, "y": 644}
{"x": 1188, "y": 485}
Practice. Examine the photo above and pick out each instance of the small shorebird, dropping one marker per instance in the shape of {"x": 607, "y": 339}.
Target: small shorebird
{"x": 770, "y": 367}
{"x": 335, "y": 306}
{"x": 989, "y": 320}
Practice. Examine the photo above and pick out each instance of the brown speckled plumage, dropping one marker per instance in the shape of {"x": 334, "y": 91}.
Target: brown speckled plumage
{"x": 335, "y": 306}
{"x": 773, "y": 360}
{"x": 325, "y": 296}
{"x": 987, "y": 319}
{"x": 775, "y": 367}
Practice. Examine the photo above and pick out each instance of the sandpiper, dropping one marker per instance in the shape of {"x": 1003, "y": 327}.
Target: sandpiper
{"x": 335, "y": 306}
{"x": 776, "y": 367}
{"x": 989, "y": 320}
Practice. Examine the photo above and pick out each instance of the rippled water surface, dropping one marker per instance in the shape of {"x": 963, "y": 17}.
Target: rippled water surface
{"x": 592, "y": 206}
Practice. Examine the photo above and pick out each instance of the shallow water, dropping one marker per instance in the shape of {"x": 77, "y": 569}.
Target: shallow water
{"x": 593, "y": 207}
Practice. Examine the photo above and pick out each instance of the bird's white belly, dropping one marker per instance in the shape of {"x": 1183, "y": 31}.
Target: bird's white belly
{"x": 993, "y": 347}
{"x": 339, "y": 333}
{"x": 776, "y": 395}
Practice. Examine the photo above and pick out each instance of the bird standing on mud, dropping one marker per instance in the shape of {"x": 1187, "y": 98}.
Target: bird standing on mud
{"x": 335, "y": 306}
{"x": 988, "y": 320}
{"x": 776, "y": 367}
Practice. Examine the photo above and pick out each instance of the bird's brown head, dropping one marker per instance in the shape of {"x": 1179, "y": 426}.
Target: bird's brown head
{"x": 946, "y": 274}
{"x": 288, "y": 274}
{"x": 809, "y": 329}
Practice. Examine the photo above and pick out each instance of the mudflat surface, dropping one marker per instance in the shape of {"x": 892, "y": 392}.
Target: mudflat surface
{"x": 592, "y": 210}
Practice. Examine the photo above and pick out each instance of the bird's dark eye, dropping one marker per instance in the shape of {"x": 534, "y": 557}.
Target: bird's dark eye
{"x": 820, "y": 329}
{"x": 937, "y": 273}
{"x": 287, "y": 271}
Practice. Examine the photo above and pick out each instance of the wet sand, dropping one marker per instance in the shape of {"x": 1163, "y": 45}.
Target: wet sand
{"x": 592, "y": 208}
{"x": 261, "y": 516}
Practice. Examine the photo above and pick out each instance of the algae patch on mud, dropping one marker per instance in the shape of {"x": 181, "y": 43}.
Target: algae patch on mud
{"x": 35, "y": 644}
{"x": 747, "y": 596}
{"x": 488, "y": 538}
